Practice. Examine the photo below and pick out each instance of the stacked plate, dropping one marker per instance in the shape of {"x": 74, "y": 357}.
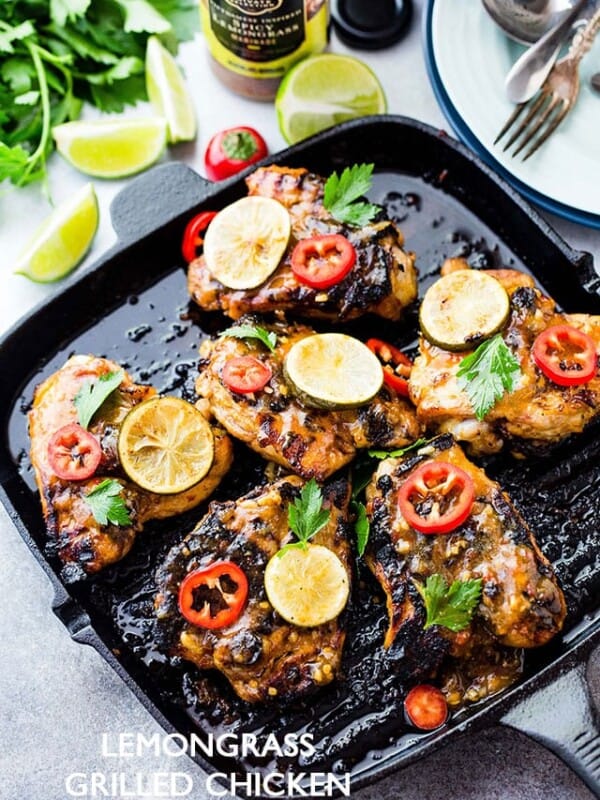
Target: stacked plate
{"x": 468, "y": 58}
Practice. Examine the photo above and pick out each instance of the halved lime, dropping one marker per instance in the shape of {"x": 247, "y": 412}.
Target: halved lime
{"x": 323, "y": 90}
{"x": 169, "y": 93}
{"x": 307, "y": 586}
{"x": 333, "y": 370}
{"x": 112, "y": 148}
{"x": 245, "y": 242}
{"x": 62, "y": 240}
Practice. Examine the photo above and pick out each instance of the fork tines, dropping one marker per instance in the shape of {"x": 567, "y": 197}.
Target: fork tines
{"x": 544, "y": 115}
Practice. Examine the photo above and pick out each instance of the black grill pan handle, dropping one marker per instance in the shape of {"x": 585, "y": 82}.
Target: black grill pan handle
{"x": 155, "y": 198}
{"x": 561, "y": 716}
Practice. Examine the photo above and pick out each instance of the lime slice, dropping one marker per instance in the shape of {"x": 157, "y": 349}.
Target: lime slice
{"x": 169, "y": 93}
{"x": 333, "y": 370}
{"x": 112, "y": 148}
{"x": 246, "y": 241}
{"x": 62, "y": 240}
{"x": 166, "y": 445}
{"x": 307, "y": 586}
{"x": 323, "y": 90}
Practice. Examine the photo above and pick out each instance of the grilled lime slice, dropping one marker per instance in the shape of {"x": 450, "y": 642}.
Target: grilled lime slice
{"x": 246, "y": 241}
{"x": 463, "y": 308}
{"x": 333, "y": 370}
{"x": 307, "y": 586}
{"x": 166, "y": 445}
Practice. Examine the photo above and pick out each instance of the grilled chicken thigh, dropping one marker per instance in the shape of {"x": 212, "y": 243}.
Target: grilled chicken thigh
{"x": 383, "y": 281}
{"x": 82, "y": 543}
{"x": 275, "y": 423}
{"x": 538, "y": 413}
{"x": 260, "y": 654}
{"x": 521, "y": 605}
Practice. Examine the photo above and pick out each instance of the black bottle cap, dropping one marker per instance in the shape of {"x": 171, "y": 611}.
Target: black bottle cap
{"x": 371, "y": 24}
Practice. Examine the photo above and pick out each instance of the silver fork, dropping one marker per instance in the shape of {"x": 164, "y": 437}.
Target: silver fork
{"x": 557, "y": 96}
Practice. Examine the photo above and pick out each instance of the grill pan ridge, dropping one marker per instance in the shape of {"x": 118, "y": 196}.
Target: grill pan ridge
{"x": 447, "y": 203}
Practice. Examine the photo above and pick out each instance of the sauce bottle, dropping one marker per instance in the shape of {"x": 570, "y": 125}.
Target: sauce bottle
{"x": 252, "y": 43}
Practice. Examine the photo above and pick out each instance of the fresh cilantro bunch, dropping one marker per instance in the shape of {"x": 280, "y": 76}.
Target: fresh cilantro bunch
{"x": 56, "y": 54}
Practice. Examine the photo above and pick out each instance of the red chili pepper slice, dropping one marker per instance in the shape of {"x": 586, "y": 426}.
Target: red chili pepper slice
{"x": 396, "y": 366}
{"x": 246, "y": 374}
{"x": 192, "y": 238}
{"x": 566, "y": 355}
{"x": 426, "y": 707}
{"x": 437, "y": 497}
{"x": 232, "y": 150}
{"x": 74, "y": 454}
{"x": 215, "y": 596}
{"x": 323, "y": 261}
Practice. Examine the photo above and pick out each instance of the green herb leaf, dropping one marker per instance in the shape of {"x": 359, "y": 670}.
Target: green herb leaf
{"x": 268, "y": 338}
{"x": 451, "y": 607}
{"x": 342, "y": 192}
{"x": 142, "y": 17}
{"x": 487, "y": 373}
{"x": 306, "y": 515}
{"x": 362, "y": 526}
{"x": 93, "y": 393}
{"x": 16, "y": 33}
{"x": 397, "y": 453}
{"x": 62, "y": 10}
{"x": 107, "y": 503}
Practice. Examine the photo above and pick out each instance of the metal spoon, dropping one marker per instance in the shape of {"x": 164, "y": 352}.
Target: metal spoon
{"x": 526, "y": 21}
{"x": 532, "y": 68}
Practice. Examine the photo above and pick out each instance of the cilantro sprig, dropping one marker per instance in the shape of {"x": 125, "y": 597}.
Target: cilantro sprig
{"x": 93, "y": 393}
{"x": 487, "y": 373}
{"x": 306, "y": 515}
{"x": 362, "y": 526}
{"x": 268, "y": 338}
{"x": 381, "y": 454}
{"x": 451, "y": 607}
{"x": 342, "y": 193}
{"x": 107, "y": 504}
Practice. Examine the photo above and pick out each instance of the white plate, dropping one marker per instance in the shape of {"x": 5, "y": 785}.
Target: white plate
{"x": 468, "y": 59}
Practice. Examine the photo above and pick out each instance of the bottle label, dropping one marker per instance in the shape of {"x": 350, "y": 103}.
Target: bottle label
{"x": 258, "y": 30}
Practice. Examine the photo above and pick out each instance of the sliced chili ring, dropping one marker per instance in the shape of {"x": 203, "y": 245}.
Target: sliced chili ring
{"x": 215, "y": 596}
{"x": 323, "y": 261}
{"x": 566, "y": 355}
{"x": 192, "y": 238}
{"x": 426, "y": 707}
{"x": 437, "y": 497}
{"x": 246, "y": 374}
{"x": 396, "y": 366}
{"x": 74, "y": 454}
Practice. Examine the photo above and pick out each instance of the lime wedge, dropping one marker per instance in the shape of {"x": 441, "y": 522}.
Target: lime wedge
{"x": 323, "y": 90}
{"x": 62, "y": 240}
{"x": 112, "y": 148}
{"x": 169, "y": 93}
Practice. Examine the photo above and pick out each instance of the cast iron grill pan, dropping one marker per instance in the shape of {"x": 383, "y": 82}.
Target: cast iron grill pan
{"x": 447, "y": 204}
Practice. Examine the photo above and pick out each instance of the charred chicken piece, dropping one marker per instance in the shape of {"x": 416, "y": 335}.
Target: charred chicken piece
{"x": 275, "y": 423}
{"x": 383, "y": 280}
{"x": 80, "y": 541}
{"x": 538, "y": 413}
{"x": 261, "y": 655}
{"x": 521, "y": 604}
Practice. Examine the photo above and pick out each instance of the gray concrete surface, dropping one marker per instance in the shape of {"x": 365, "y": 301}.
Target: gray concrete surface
{"x": 57, "y": 697}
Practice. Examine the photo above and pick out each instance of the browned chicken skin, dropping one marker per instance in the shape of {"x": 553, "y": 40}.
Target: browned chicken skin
{"x": 383, "y": 280}
{"x": 311, "y": 442}
{"x": 521, "y": 604}
{"x": 260, "y": 654}
{"x": 538, "y": 413}
{"x": 80, "y": 541}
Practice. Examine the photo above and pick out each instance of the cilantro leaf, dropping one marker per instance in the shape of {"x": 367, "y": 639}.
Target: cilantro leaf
{"x": 487, "y": 373}
{"x": 142, "y": 17}
{"x": 306, "y": 515}
{"x": 268, "y": 338}
{"x": 107, "y": 504}
{"x": 93, "y": 393}
{"x": 62, "y": 10}
{"x": 16, "y": 33}
{"x": 183, "y": 16}
{"x": 342, "y": 192}
{"x": 362, "y": 526}
{"x": 13, "y": 162}
{"x": 451, "y": 607}
{"x": 397, "y": 453}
